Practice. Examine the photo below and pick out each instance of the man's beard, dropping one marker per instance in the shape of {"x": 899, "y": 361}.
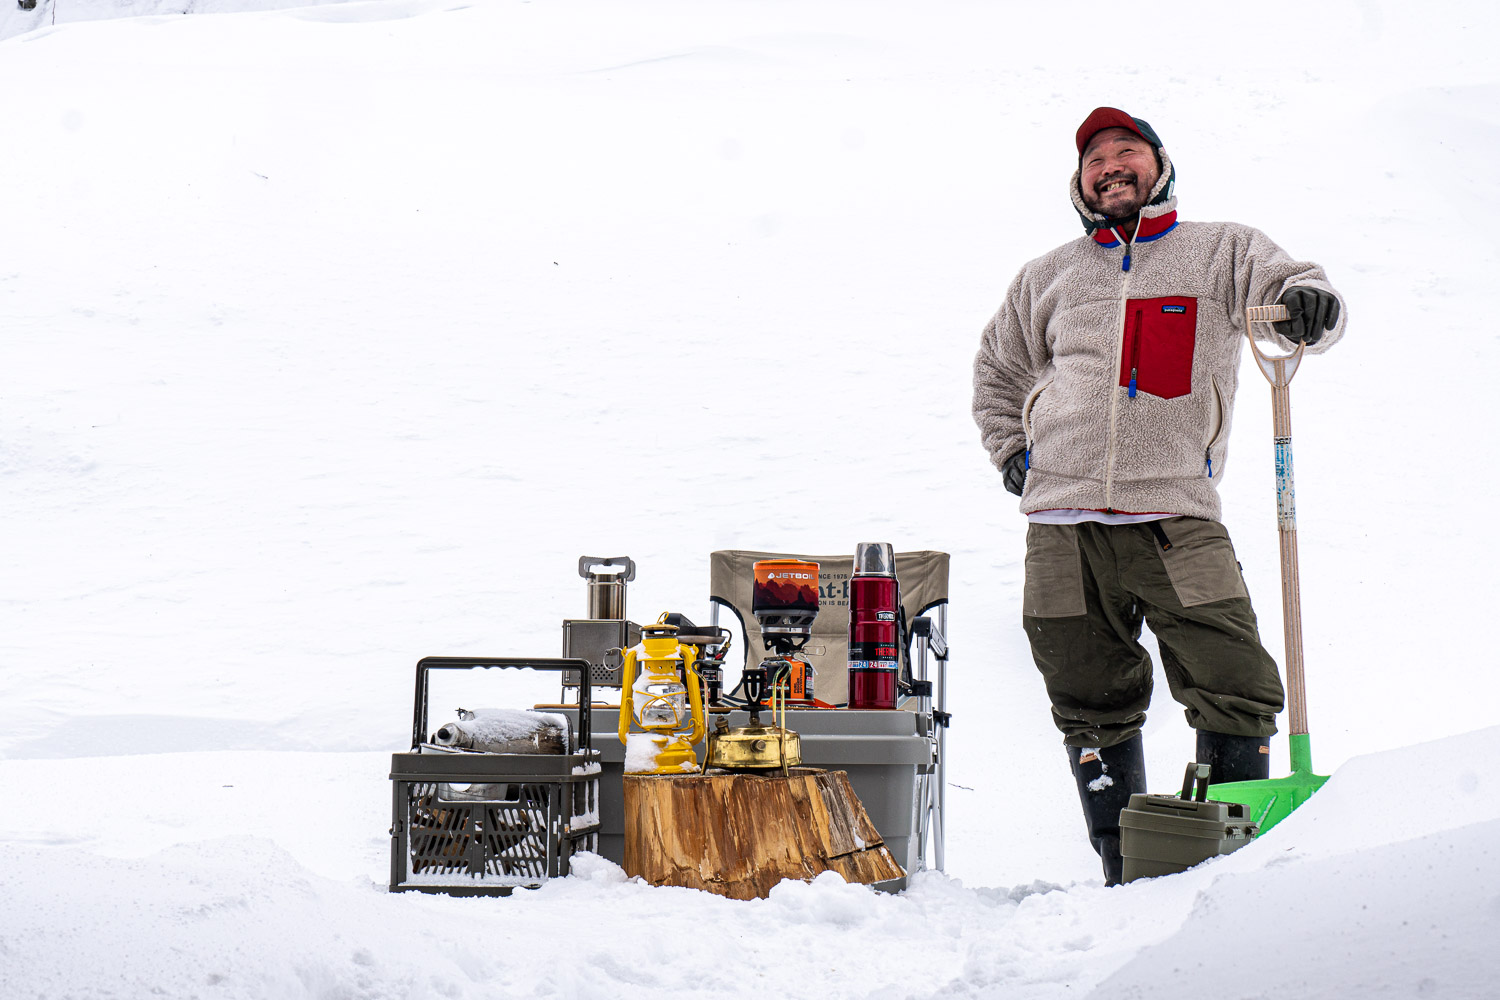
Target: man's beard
{"x": 1119, "y": 209}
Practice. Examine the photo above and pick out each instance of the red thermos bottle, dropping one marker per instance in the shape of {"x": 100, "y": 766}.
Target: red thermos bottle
{"x": 874, "y": 640}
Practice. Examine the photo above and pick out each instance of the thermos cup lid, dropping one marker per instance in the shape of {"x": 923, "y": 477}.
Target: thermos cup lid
{"x": 874, "y": 559}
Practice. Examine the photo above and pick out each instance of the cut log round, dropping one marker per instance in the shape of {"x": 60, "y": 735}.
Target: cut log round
{"x": 738, "y": 835}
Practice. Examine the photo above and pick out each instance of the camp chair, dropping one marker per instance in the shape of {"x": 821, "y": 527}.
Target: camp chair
{"x": 923, "y": 579}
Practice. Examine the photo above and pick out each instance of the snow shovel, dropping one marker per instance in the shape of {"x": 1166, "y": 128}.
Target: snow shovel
{"x": 1270, "y": 801}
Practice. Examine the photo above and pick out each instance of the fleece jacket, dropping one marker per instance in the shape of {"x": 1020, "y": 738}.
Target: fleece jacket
{"x": 1114, "y": 360}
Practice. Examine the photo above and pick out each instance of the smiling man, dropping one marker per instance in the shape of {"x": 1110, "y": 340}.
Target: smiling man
{"x": 1103, "y": 390}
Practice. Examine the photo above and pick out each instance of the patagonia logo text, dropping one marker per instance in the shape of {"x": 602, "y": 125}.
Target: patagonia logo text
{"x": 1174, "y": 309}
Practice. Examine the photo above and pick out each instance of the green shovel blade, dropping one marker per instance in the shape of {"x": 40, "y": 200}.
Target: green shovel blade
{"x": 1269, "y": 801}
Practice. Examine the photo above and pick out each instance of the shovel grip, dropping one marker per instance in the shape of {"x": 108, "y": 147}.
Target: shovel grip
{"x": 1274, "y": 313}
{"x": 1278, "y": 369}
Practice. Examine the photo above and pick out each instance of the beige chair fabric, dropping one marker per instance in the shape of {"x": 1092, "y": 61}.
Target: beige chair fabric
{"x": 923, "y": 577}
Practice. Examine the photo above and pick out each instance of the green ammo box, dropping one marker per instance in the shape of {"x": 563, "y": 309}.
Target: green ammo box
{"x": 1166, "y": 834}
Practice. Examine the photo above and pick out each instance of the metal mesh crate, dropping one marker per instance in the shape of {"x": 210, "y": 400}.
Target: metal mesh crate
{"x": 469, "y": 823}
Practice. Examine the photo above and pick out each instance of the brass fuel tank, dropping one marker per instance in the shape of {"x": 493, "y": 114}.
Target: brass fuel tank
{"x": 753, "y": 747}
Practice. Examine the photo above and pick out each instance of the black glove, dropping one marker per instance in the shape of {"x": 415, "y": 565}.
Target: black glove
{"x": 1312, "y": 311}
{"x": 1013, "y": 472}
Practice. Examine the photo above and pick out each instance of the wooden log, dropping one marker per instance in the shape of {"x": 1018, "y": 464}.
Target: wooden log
{"x": 738, "y": 835}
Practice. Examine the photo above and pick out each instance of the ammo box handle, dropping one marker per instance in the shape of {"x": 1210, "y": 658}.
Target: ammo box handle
{"x": 1197, "y": 774}
{"x": 427, "y": 663}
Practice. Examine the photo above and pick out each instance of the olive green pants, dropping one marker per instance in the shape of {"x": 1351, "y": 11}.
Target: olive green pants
{"x": 1088, "y": 588}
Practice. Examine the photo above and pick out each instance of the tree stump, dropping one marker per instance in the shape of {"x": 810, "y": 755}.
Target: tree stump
{"x": 738, "y": 835}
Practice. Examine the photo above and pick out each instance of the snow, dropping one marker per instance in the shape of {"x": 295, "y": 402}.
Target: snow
{"x": 334, "y": 336}
{"x": 642, "y": 750}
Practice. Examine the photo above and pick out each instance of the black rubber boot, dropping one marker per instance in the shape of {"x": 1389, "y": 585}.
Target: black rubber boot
{"x": 1234, "y": 758}
{"x": 1106, "y": 780}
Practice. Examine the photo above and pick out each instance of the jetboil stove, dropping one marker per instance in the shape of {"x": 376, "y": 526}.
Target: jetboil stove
{"x": 785, "y": 602}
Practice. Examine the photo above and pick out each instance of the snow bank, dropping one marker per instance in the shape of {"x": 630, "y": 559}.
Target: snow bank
{"x": 1385, "y": 884}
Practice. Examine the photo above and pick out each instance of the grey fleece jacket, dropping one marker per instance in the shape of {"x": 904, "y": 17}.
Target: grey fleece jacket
{"x": 1120, "y": 383}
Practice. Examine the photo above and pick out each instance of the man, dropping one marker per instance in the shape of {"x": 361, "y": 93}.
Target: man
{"x": 1103, "y": 390}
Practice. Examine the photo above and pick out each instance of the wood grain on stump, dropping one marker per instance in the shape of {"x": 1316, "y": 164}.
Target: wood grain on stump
{"x": 737, "y": 835}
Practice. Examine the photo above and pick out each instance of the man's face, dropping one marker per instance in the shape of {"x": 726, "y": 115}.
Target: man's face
{"x": 1119, "y": 171}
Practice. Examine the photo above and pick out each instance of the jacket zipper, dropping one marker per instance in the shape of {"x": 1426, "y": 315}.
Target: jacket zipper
{"x": 1218, "y": 403}
{"x": 1135, "y": 353}
{"x": 1114, "y": 396}
{"x": 1026, "y": 409}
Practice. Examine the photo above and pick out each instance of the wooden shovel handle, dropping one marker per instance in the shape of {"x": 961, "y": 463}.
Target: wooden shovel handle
{"x": 1278, "y": 369}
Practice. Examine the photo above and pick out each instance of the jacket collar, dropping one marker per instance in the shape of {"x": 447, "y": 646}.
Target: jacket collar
{"x": 1149, "y": 228}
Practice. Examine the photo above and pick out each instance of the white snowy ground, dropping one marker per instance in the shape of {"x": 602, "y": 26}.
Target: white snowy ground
{"x": 332, "y": 337}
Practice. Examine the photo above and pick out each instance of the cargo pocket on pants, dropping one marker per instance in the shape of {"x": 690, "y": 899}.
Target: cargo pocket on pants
{"x": 1199, "y": 560}
{"x": 1054, "y": 572}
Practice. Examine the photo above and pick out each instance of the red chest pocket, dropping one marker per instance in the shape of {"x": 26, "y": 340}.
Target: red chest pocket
{"x": 1158, "y": 351}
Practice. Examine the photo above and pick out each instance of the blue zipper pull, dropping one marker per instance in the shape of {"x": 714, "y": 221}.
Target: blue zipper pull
{"x": 1028, "y": 459}
{"x": 1132, "y": 384}
{"x": 1124, "y": 264}
{"x": 1208, "y": 460}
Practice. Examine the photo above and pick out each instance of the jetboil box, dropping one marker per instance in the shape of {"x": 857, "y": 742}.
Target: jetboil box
{"x": 1166, "y": 834}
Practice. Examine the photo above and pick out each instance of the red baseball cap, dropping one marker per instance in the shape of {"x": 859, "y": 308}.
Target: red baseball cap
{"x": 1102, "y": 118}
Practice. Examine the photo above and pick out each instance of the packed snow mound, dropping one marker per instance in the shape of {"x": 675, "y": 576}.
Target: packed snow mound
{"x": 1414, "y": 918}
{"x": 1385, "y": 884}
{"x": 1389, "y": 878}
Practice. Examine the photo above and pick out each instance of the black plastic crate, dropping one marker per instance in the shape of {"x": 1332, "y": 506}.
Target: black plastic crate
{"x": 473, "y": 823}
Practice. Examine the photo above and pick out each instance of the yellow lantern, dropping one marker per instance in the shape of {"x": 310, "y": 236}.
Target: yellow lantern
{"x": 663, "y": 695}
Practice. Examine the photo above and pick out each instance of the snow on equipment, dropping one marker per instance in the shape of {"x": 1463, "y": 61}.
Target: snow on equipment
{"x": 663, "y": 695}
{"x": 470, "y": 821}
